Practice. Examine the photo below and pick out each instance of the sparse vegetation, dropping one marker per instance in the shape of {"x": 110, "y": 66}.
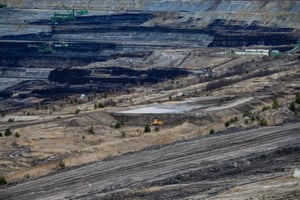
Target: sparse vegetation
{"x": 119, "y": 124}
{"x": 247, "y": 113}
{"x": 263, "y": 122}
{"x": 156, "y": 129}
{"x": 265, "y": 108}
{"x": 7, "y": 132}
{"x": 3, "y": 180}
{"x": 10, "y": 120}
{"x": 297, "y": 98}
{"x": 100, "y": 105}
{"x": 77, "y": 111}
{"x": 227, "y": 124}
{"x": 231, "y": 121}
{"x": 275, "y": 103}
{"x": 292, "y": 106}
{"x": 27, "y": 176}
{"x": 61, "y": 164}
{"x": 123, "y": 134}
{"x": 147, "y": 128}
{"x": 91, "y": 130}
{"x": 17, "y": 135}
{"x": 212, "y": 131}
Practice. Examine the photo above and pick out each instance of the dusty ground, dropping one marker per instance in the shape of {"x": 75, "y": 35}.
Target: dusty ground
{"x": 53, "y": 133}
{"x": 201, "y": 168}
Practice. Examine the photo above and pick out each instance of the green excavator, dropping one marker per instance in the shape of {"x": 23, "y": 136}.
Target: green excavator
{"x": 69, "y": 15}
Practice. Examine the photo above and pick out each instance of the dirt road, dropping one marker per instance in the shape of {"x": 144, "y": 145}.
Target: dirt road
{"x": 195, "y": 169}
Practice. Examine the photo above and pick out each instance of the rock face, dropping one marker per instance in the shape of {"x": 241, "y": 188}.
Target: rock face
{"x": 131, "y": 29}
{"x": 271, "y": 12}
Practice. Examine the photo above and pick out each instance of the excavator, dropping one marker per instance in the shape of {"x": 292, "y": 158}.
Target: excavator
{"x": 157, "y": 122}
{"x": 69, "y": 15}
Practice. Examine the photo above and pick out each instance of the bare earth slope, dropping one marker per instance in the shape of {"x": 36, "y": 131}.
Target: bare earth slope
{"x": 198, "y": 169}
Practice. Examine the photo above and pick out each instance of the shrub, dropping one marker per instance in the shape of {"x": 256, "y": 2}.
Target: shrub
{"x": 95, "y": 106}
{"x": 247, "y": 113}
{"x": 263, "y": 122}
{"x": 1, "y": 135}
{"x": 83, "y": 137}
{"x": 275, "y": 104}
{"x": 7, "y": 132}
{"x": 212, "y": 131}
{"x": 17, "y": 135}
{"x": 3, "y": 180}
{"x": 156, "y": 129}
{"x": 292, "y": 107}
{"x": 147, "y": 128}
{"x": 61, "y": 164}
{"x": 265, "y": 108}
{"x": 227, "y": 123}
{"x": 27, "y": 176}
{"x": 91, "y": 130}
{"x": 100, "y": 105}
{"x": 297, "y": 98}
{"x": 119, "y": 124}
{"x": 77, "y": 111}
{"x": 11, "y": 120}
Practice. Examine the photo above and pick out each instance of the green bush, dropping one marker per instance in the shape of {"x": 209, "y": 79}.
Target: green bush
{"x": 3, "y": 180}
{"x": 265, "y": 108}
{"x": 100, "y": 105}
{"x": 275, "y": 104}
{"x": 292, "y": 107}
{"x": 297, "y": 98}
{"x": 227, "y": 123}
{"x": 17, "y": 135}
{"x": 247, "y": 113}
{"x": 77, "y": 111}
{"x": 119, "y": 124}
{"x": 147, "y": 128}
{"x": 263, "y": 122}
{"x": 11, "y": 120}
{"x": 212, "y": 131}
{"x": 61, "y": 164}
{"x": 1, "y": 135}
{"x": 7, "y": 132}
{"x": 91, "y": 130}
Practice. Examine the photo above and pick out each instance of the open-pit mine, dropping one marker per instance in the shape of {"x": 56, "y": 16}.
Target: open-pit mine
{"x": 161, "y": 99}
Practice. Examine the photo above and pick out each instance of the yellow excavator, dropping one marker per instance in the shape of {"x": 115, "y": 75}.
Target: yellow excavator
{"x": 157, "y": 122}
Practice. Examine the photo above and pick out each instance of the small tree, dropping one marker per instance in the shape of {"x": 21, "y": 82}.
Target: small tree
{"x": 297, "y": 99}
{"x": 17, "y": 135}
{"x": 275, "y": 104}
{"x": 292, "y": 107}
{"x": 100, "y": 105}
{"x": 212, "y": 131}
{"x": 7, "y": 132}
{"x": 91, "y": 130}
{"x": 61, "y": 164}
{"x": 3, "y": 180}
{"x": 11, "y": 120}
{"x": 77, "y": 111}
{"x": 1, "y": 135}
{"x": 263, "y": 122}
{"x": 147, "y": 128}
{"x": 227, "y": 123}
